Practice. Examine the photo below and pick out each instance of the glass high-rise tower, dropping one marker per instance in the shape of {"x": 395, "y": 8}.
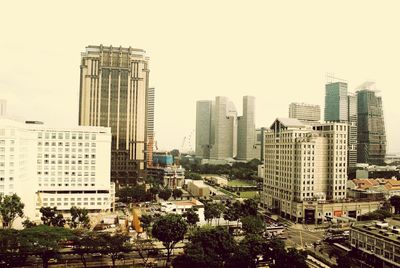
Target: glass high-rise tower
{"x": 113, "y": 88}
{"x": 341, "y": 106}
{"x": 371, "y": 127}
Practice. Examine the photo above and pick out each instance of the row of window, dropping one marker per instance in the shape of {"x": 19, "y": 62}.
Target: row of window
{"x": 66, "y": 136}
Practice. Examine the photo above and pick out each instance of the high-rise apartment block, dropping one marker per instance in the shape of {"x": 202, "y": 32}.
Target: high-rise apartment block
{"x": 113, "y": 88}
{"x": 340, "y": 106}
{"x": 305, "y": 112}
{"x": 150, "y": 126}
{"x": 304, "y": 163}
{"x": 247, "y": 138}
{"x": 221, "y": 134}
{"x": 371, "y": 126}
{"x": 56, "y": 167}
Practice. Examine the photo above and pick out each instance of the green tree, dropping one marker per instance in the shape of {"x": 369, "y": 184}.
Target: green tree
{"x": 79, "y": 218}
{"x": 86, "y": 242}
{"x": 136, "y": 193}
{"x": 213, "y": 211}
{"x": 290, "y": 258}
{"x": 177, "y": 193}
{"x": 50, "y": 217}
{"x": 169, "y": 229}
{"x": 114, "y": 245}
{"x": 395, "y": 202}
{"x": 28, "y": 223}
{"x": 253, "y": 225}
{"x": 43, "y": 240}
{"x": 145, "y": 222}
{"x": 10, "y": 253}
{"x": 254, "y": 245}
{"x": 233, "y": 212}
{"x": 144, "y": 248}
{"x": 249, "y": 208}
{"x": 165, "y": 194}
{"x": 208, "y": 247}
{"x": 11, "y": 207}
{"x": 191, "y": 216}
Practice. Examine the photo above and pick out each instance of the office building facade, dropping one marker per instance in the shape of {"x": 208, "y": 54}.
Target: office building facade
{"x": 150, "y": 98}
{"x": 247, "y": 137}
{"x": 203, "y": 128}
{"x": 371, "y": 127}
{"x": 113, "y": 89}
{"x": 305, "y": 112}
{"x": 56, "y": 167}
{"x": 304, "y": 163}
{"x": 341, "y": 106}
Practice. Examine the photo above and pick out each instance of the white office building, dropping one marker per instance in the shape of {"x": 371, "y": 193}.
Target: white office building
{"x": 56, "y": 167}
{"x": 304, "y": 163}
{"x": 305, "y": 112}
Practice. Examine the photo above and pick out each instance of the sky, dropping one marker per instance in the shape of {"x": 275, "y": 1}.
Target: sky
{"x": 277, "y": 51}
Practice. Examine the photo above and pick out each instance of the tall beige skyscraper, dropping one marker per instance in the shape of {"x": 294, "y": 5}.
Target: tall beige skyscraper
{"x": 113, "y": 88}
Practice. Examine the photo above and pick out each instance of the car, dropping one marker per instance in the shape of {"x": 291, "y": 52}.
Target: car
{"x": 52, "y": 260}
{"x": 97, "y": 255}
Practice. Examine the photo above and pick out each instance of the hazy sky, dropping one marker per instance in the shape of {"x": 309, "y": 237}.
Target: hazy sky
{"x": 277, "y": 51}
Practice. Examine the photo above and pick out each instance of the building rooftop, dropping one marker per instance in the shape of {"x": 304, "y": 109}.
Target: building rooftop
{"x": 379, "y": 229}
{"x": 289, "y": 122}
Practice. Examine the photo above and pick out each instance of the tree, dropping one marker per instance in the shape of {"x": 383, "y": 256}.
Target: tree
{"x": 290, "y": 258}
{"x": 114, "y": 245}
{"x": 86, "y": 242}
{"x": 253, "y": 245}
{"x": 379, "y": 214}
{"x": 208, "y": 247}
{"x": 144, "y": 248}
{"x": 10, "y": 253}
{"x": 253, "y": 225}
{"x": 213, "y": 210}
{"x": 169, "y": 229}
{"x": 395, "y": 202}
{"x": 249, "y": 208}
{"x": 135, "y": 194}
{"x": 50, "y": 217}
{"x": 165, "y": 194}
{"x": 11, "y": 207}
{"x": 233, "y": 212}
{"x": 191, "y": 216}
{"x": 177, "y": 193}
{"x": 28, "y": 223}
{"x": 79, "y": 218}
{"x": 43, "y": 240}
{"x": 145, "y": 222}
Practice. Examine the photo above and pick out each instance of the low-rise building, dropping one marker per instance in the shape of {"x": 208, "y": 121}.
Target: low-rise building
{"x": 386, "y": 188}
{"x": 180, "y": 206}
{"x": 198, "y": 189}
{"x": 377, "y": 242}
{"x": 173, "y": 176}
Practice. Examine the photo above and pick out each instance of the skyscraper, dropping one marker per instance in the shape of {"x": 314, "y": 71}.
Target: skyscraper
{"x": 150, "y": 125}
{"x": 305, "y": 112}
{"x": 113, "y": 89}
{"x": 3, "y": 107}
{"x": 246, "y": 138}
{"x": 336, "y": 102}
{"x": 223, "y": 129}
{"x": 203, "y": 128}
{"x": 341, "y": 106}
{"x": 371, "y": 126}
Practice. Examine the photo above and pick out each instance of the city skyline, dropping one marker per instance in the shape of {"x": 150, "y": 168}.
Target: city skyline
{"x": 279, "y": 72}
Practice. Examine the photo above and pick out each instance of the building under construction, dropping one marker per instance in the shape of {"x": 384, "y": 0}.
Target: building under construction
{"x": 371, "y": 133}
